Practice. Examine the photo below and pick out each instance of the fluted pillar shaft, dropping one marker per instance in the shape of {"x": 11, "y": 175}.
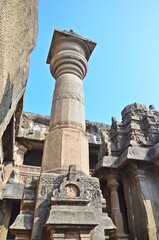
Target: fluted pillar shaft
{"x": 66, "y": 142}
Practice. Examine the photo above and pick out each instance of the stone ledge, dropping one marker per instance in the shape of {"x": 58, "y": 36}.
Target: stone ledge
{"x": 131, "y": 153}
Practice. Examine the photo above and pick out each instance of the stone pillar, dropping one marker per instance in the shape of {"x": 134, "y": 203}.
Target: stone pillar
{"x": 127, "y": 182}
{"x": 66, "y": 143}
{"x": 116, "y": 214}
{"x": 146, "y": 198}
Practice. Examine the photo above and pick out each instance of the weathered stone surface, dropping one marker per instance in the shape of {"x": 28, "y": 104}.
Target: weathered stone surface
{"x": 139, "y": 128}
{"x": 64, "y": 147}
{"x": 34, "y": 127}
{"x": 18, "y": 31}
{"x": 5, "y": 213}
{"x": 24, "y": 221}
{"x": 131, "y": 149}
{"x": 81, "y": 210}
{"x": 131, "y": 153}
{"x": 12, "y": 190}
{"x": 72, "y": 201}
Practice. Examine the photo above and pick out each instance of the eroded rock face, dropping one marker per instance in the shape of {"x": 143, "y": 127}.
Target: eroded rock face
{"x": 18, "y": 32}
{"x": 35, "y": 127}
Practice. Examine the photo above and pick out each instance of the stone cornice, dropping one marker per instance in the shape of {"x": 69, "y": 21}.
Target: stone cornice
{"x": 131, "y": 153}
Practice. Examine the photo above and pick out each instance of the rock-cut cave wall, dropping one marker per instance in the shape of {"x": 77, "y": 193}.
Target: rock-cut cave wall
{"x": 18, "y": 33}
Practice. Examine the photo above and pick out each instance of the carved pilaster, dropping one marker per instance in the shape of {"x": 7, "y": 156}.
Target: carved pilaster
{"x": 127, "y": 182}
{"x": 147, "y": 217}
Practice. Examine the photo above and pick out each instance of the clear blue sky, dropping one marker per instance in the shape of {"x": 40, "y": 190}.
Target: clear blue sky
{"x": 124, "y": 67}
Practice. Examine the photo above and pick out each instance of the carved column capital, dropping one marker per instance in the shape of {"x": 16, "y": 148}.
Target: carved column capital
{"x": 69, "y": 55}
{"x": 68, "y": 61}
{"x": 112, "y": 184}
{"x": 139, "y": 175}
{"x": 110, "y": 174}
{"x": 139, "y": 170}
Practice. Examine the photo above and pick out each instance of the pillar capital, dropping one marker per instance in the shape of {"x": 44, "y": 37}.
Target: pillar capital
{"x": 112, "y": 184}
{"x": 69, "y": 53}
{"x": 68, "y": 61}
{"x": 110, "y": 174}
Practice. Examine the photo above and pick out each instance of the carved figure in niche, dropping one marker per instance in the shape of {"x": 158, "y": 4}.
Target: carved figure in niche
{"x": 114, "y": 123}
{"x": 153, "y": 112}
{"x": 132, "y": 112}
{"x": 105, "y": 149}
{"x": 152, "y": 108}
